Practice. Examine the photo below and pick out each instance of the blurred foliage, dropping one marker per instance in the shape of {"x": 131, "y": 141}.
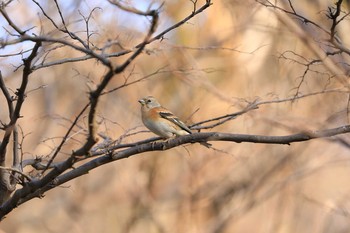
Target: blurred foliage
{"x": 227, "y": 56}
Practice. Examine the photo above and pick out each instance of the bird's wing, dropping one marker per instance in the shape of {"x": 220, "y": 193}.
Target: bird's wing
{"x": 171, "y": 117}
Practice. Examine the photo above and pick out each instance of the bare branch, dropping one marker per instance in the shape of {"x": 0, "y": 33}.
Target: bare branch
{"x": 88, "y": 154}
{"x": 86, "y": 20}
{"x": 194, "y": 13}
{"x": 305, "y": 20}
{"x": 37, "y": 164}
{"x": 16, "y": 171}
{"x": 10, "y": 22}
{"x": 129, "y": 8}
{"x": 90, "y": 52}
{"x": 9, "y": 100}
{"x": 7, "y": 95}
{"x": 333, "y": 14}
{"x": 126, "y": 83}
{"x": 216, "y": 121}
{"x": 94, "y": 95}
{"x": 103, "y": 59}
{"x": 65, "y": 30}
{"x": 46, "y": 15}
{"x": 37, "y": 188}
{"x": 20, "y": 99}
{"x": 65, "y": 138}
{"x": 306, "y": 38}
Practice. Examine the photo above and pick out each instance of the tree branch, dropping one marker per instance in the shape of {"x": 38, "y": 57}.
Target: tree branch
{"x": 333, "y": 14}
{"x": 10, "y": 22}
{"x": 95, "y": 95}
{"x": 8, "y": 185}
{"x": 39, "y": 187}
{"x": 65, "y": 138}
{"x": 103, "y": 58}
{"x": 20, "y": 99}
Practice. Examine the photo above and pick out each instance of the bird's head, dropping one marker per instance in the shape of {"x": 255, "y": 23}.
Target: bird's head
{"x": 149, "y": 102}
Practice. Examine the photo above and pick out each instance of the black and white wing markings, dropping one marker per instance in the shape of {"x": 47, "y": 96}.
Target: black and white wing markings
{"x": 171, "y": 117}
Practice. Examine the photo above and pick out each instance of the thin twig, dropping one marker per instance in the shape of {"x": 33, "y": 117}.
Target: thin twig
{"x": 16, "y": 171}
{"x": 65, "y": 138}
{"x": 255, "y": 105}
{"x": 10, "y": 22}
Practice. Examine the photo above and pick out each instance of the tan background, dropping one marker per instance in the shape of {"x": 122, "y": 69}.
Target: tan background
{"x": 224, "y": 57}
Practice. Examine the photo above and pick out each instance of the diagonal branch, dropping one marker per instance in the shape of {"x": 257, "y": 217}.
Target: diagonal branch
{"x": 207, "y": 4}
{"x": 65, "y": 138}
{"x": 10, "y": 22}
{"x": 37, "y": 188}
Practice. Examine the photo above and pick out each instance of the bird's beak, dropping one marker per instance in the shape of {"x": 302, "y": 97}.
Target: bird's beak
{"x": 142, "y": 101}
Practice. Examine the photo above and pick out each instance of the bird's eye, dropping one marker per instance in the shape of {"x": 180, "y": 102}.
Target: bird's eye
{"x": 149, "y": 101}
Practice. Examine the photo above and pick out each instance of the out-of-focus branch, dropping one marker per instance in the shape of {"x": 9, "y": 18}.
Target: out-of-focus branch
{"x": 333, "y": 14}
{"x": 87, "y": 20}
{"x": 10, "y": 22}
{"x": 305, "y": 20}
{"x": 130, "y": 9}
{"x": 207, "y": 4}
{"x": 216, "y": 121}
{"x": 307, "y": 39}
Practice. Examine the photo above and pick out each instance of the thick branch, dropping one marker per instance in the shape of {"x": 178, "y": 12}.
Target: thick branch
{"x": 37, "y": 188}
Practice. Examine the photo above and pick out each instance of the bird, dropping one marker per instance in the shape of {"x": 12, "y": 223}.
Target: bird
{"x": 161, "y": 121}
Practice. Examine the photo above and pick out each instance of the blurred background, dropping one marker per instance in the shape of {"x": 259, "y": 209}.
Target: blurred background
{"x": 233, "y": 53}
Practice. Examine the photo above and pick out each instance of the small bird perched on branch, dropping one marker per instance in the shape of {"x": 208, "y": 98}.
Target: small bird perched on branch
{"x": 161, "y": 121}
